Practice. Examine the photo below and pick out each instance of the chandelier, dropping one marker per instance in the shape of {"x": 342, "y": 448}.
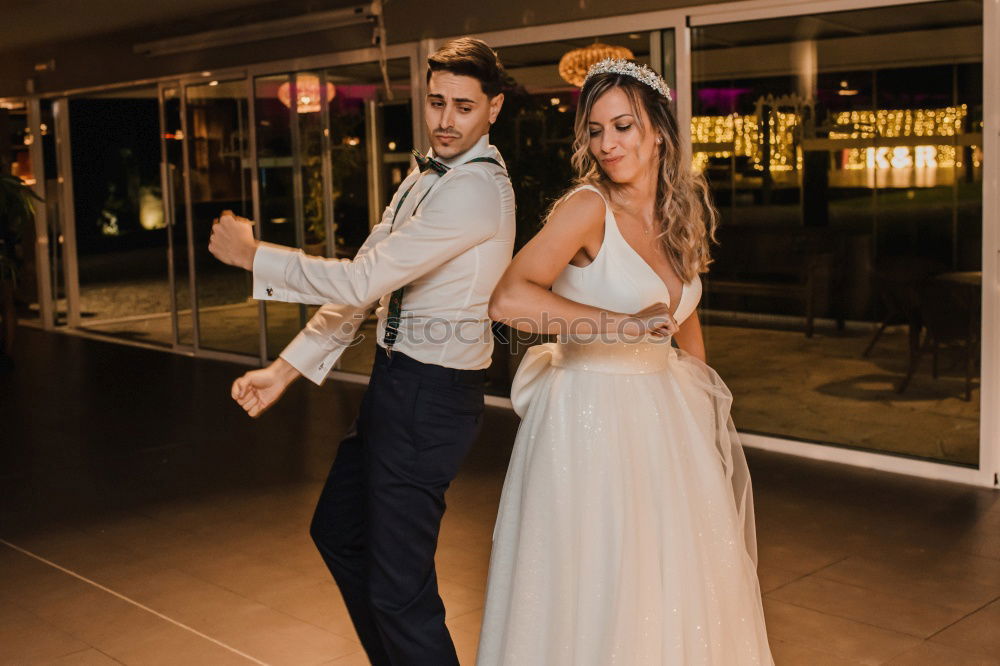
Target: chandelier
{"x": 574, "y": 65}
{"x": 307, "y": 91}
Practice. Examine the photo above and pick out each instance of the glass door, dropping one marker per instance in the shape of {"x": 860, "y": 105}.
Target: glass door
{"x": 370, "y": 138}
{"x": 121, "y": 234}
{"x": 332, "y": 146}
{"x": 151, "y": 167}
{"x": 215, "y": 152}
{"x": 291, "y": 147}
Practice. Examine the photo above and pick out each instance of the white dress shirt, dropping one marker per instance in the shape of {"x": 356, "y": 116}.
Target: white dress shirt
{"x": 449, "y": 255}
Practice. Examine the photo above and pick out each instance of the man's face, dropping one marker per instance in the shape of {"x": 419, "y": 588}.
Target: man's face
{"x": 458, "y": 112}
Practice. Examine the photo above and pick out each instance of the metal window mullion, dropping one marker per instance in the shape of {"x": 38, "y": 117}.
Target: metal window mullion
{"x": 989, "y": 439}
{"x": 954, "y": 170}
{"x": 46, "y": 299}
{"x": 875, "y": 197}
{"x": 326, "y": 163}
{"x": 298, "y": 190}
{"x": 189, "y": 222}
{"x": 418, "y": 91}
{"x": 169, "y": 212}
{"x": 682, "y": 96}
{"x": 373, "y": 150}
{"x": 255, "y": 204}
{"x": 67, "y": 211}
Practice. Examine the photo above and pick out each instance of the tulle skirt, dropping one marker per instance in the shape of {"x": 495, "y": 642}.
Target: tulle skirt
{"x": 625, "y": 533}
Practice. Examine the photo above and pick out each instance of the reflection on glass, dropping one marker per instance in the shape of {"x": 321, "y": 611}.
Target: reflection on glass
{"x": 121, "y": 233}
{"x": 288, "y": 158}
{"x": 320, "y": 189}
{"x": 361, "y": 113}
{"x": 219, "y": 179}
{"x": 175, "y": 210}
{"x": 844, "y": 154}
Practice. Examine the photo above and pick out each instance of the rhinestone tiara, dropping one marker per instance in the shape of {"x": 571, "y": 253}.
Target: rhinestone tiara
{"x": 629, "y": 68}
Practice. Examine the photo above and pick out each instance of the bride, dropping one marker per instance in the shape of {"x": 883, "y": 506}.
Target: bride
{"x": 625, "y": 533}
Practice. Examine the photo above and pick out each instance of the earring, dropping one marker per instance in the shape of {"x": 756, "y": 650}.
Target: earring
{"x": 659, "y": 139}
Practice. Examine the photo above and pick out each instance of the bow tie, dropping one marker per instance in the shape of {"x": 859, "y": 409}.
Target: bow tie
{"x": 425, "y": 162}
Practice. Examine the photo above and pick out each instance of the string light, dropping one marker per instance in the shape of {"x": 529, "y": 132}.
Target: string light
{"x": 739, "y": 135}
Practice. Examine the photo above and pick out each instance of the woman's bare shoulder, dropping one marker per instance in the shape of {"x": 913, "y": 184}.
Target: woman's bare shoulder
{"x": 582, "y": 207}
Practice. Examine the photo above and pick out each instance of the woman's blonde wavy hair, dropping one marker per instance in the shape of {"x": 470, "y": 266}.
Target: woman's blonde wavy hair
{"x": 686, "y": 215}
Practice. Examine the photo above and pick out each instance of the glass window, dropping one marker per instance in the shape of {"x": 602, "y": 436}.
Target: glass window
{"x": 121, "y": 232}
{"x": 290, "y": 174}
{"x": 218, "y": 167}
{"x": 845, "y": 156}
{"x": 327, "y": 168}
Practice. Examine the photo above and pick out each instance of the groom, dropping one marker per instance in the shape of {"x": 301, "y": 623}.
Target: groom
{"x": 442, "y": 244}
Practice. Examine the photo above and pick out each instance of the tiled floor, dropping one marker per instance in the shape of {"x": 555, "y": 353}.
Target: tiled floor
{"x": 130, "y": 470}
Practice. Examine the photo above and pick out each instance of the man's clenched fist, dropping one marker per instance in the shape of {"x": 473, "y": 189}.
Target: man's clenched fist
{"x": 232, "y": 240}
{"x": 259, "y": 389}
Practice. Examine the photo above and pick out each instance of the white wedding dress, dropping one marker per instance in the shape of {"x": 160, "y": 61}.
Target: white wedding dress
{"x": 625, "y": 533}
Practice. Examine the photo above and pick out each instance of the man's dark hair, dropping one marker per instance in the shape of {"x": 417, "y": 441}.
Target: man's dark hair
{"x": 470, "y": 57}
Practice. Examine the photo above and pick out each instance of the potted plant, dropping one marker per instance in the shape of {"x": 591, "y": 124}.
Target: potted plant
{"x": 16, "y": 211}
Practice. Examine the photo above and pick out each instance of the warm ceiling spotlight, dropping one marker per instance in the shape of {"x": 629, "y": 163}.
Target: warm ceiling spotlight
{"x": 575, "y": 64}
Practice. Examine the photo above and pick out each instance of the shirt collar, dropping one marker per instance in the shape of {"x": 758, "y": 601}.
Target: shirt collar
{"x": 479, "y": 149}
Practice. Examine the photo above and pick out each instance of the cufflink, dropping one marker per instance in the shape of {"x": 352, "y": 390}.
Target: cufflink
{"x": 321, "y": 365}
{"x": 270, "y": 292}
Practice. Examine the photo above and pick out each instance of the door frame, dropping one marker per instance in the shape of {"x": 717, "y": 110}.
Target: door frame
{"x": 43, "y": 239}
{"x": 169, "y": 208}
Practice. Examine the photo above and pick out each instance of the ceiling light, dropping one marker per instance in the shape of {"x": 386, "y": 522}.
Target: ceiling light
{"x": 574, "y": 64}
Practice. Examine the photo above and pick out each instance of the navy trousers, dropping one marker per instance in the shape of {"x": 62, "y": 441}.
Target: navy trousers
{"x": 377, "y": 521}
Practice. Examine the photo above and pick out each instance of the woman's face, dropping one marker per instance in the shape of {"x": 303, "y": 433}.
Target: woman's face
{"x": 625, "y": 153}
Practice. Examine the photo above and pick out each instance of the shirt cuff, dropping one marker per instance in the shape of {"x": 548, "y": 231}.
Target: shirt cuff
{"x": 269, "y": 264}
{"x": 312, "y": 360}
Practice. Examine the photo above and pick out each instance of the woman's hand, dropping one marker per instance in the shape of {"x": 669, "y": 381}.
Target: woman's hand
{"x": 655, "y": 320}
